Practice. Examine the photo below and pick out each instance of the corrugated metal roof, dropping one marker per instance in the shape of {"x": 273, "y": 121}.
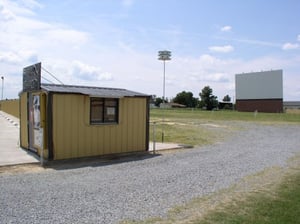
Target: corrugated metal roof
{"x": 92, "y": 91}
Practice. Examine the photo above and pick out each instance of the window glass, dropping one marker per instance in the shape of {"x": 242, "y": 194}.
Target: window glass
{"x": 104, "y": 110}
{"x": 96, "y": 111}
{"x": 110, "y": 110}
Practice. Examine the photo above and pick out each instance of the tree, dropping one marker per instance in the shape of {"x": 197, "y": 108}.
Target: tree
{"x": 226, "y": 98}
{"x": 159, "y": 100}
{"x": 186, "y": 98}
{"x": 208, "y": 100}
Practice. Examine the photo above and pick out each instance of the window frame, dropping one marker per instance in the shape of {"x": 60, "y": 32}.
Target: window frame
{"x": 107, "y": 105}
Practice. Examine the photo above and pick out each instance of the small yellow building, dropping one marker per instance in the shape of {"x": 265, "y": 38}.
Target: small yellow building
{"x": 61, "y": 122}
{"x": 64, "y": 121}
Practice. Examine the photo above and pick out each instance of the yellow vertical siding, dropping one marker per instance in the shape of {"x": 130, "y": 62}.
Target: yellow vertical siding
{"x": 74, "y": 137}
{"x": 24, "y": 121}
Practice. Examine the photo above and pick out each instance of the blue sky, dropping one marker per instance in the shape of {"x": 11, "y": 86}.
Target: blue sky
{"x": 115, "y": 43}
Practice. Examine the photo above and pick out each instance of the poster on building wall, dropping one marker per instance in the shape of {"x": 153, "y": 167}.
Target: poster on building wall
{"x": 38, "y": 137}
{"x": 36, "y": 112}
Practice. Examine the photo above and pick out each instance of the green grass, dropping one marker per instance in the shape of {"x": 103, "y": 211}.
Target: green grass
{"x": 198, "y": 127}
{"x": 281, "y": 206}
{"x": 224, "y": 115}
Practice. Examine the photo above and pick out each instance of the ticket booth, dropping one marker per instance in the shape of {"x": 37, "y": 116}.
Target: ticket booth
{"x": 67, "y": 121}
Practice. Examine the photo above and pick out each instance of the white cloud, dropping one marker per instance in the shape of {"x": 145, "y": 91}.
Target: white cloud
{"x": 207, "y": 61}
{"x": 9, "y": 57}
{"x": 5, "y": 14}
{"x": 298, "y": 38}
{"x": 31, "y": 4}
{"x": 127, "y": 3}
{"x": 226, "y": 28}
{"x": 211, "y": 77}
{"x": 21, "y": 8}
{"x": 70, "y": 36}
{"x": 17, "y": 57}
{"x": 290, "y": 46}
{"x": 19, "y": 30}
{"x": 89, "y": 72}
{"x": 221, "y": 49}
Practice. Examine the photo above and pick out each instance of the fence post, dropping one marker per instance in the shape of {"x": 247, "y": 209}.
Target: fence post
{"x": 153, "y": 137}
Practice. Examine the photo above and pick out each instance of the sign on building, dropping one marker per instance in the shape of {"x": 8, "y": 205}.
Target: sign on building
{"x": 32, "y": 77}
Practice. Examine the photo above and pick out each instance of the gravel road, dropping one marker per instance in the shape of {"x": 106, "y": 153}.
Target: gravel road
{"x": 143, "y": 187}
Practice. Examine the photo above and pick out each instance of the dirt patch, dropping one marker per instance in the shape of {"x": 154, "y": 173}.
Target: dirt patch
{"x": 214, "y": 125}
{"x": 22, "y": 168}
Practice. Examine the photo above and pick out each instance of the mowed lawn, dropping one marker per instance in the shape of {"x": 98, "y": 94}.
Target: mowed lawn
{"x": 197, "y": 127}
{"x": 269, "y": 207}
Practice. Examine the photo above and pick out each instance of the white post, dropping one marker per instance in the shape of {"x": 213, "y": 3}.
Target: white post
{"x": 153, "y": 137}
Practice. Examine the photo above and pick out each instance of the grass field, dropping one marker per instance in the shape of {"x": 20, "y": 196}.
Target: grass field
{"x": 198, "y": 127}
{"x": 276, "y": 207}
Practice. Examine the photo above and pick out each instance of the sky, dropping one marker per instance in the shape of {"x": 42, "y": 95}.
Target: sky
{"x": 115, "y": 43}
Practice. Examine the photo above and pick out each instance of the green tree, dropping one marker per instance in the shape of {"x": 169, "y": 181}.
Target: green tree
{"x": 159, "y": 100}
{"x": 208, "y": 100}
{"x": 186, "y": 98}
{"x": 226, "y": 98}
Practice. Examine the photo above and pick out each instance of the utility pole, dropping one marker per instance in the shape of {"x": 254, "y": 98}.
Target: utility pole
{"x": 2, "y": 78}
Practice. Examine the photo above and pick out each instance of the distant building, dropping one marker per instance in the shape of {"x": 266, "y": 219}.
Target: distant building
{"x": 172, "y": 105}
{"x": 259, "y": 91}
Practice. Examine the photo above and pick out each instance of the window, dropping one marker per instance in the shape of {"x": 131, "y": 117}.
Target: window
{"x": 103, "y": 110}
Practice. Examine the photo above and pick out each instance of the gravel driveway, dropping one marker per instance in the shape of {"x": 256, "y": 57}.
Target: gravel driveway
{"x": 143, "y": 187}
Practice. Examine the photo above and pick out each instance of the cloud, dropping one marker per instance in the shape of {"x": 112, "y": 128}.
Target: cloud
{"x": 214, "y": 77}
{"x": 18, "y": 57}
{"x": 89, "y": 72}
{"x": 21, "y": 8}
{"x": 70, "y": 36}
{"x": 290, "y": 46}
{"x": 127, "y": 3}
{"x": 20, "y": 30}
{"x": 221, "y": 49}
{"x": 31, "y": 4}
{"x": 226, "y": 28}
{"x": 249, "y": 41}
{"x": 298, "y": 38}
{"x": 208, "y": 61}
{"x": 5, "y": 15}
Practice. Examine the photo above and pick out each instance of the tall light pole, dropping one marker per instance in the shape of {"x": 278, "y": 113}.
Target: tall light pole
{"x": 2, "y": 78}
{"x": 164, "y": 56}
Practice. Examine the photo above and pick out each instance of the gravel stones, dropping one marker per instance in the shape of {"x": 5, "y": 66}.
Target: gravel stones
{"x": 143, "y": 187}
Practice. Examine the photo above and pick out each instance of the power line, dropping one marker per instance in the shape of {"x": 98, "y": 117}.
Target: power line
{"x": 52, "y": 76}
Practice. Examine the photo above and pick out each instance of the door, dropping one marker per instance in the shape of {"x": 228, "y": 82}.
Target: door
{"x": 31, "y": 122}
{"x": 35, "y": 129}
